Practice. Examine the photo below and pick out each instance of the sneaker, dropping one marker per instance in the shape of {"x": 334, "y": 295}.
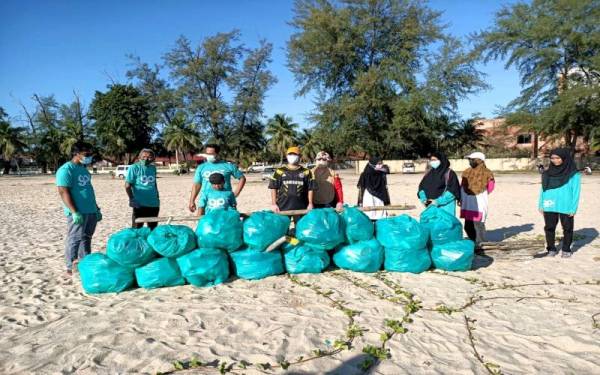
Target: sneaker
{"x": 552, "y": 253}
{"x": 566, "y": 254}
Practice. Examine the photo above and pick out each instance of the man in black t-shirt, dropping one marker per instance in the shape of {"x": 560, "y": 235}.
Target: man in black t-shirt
{"x": 292, "y": 185}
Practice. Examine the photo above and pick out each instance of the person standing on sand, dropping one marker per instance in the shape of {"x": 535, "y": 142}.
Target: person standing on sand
{"x": 74, "y": 183}
{"x": 329, "y": 191}
{"x": 559, "y": 199}
{"x": 372, "y": 187}
{"x": 477, "y": 183}
{"x": 292, "y": 186}
{"x": 212, "y": 165}
{"x": 141, "y": 188}
{"x": 440, "y": 186}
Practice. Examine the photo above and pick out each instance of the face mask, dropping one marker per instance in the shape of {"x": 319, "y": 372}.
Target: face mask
{"x": 293, "y": 159}
{"x": 435, "y": 164}
{"x": 146, "y": 162}
{"x": 473, "y": 163}
{"x": 210, "y": 158}
{"x": 87, "y": 160}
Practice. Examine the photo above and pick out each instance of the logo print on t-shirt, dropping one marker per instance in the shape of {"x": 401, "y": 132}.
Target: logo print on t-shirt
{"x": 216, "y": 202}
{"x": 83, "y": 180}
{"x": 147, "y": 180}
{"x": 548, "y": 203}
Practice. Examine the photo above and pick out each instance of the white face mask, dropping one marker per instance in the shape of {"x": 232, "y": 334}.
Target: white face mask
{"x": 293, "y": 159}
{"x": 435, "y": 164}
{"x": 210, "y": 158}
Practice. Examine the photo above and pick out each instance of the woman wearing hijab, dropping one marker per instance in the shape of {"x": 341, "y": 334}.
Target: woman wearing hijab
{"x": 372, "y": 186}
{"x": 329, "y": 192}
{"x": 559, "y": 198}
{"x": 439, "y": 186}
{"x": 477, "y": 183}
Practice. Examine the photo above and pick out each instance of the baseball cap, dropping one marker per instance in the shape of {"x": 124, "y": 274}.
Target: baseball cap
{"x": 294, "y": 150}
{"x": 476, "y": 155}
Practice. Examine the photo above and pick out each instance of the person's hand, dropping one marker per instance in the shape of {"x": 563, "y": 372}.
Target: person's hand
{"x": 310, "y": 207}
{"x": 77, "y": 218}
{"x": 275, "y": 208}
{"x": 433, "y": 202}
{"x": 98, "y": 215}
{"x": 571, "y": 215}
{"x": 192, "y": 207}
{"x": 458, "y": 203}
{"x": 134, "y": 204}
{"x": 236, "y": 193}
{"x": 339, "y": 206}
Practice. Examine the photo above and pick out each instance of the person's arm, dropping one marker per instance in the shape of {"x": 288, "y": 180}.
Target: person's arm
{"x": 274, "y": 206}
{"x": 491, "y": 185}
{"x": 541, "y": 200}
{"x": 575, "y": 183}
{"x": 311, "y": 194}
{"x": 339, "y": 191}
{"x": 202, "y": 204}
{"x": 193, "y": 195}
{"x": 311, "y": 184}
{"x": 65, "y": 196}
{"x": 422, "y": 196}
{"x": 240, "y": 186}
{"x": 238, "y": 175}
{"x": 200, "y": 211}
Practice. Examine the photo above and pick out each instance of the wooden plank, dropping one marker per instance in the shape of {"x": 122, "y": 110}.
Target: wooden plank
{"x": 404, "y": 207}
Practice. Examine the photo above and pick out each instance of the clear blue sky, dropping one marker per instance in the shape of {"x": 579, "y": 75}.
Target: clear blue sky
{"x": 55, "y": 47}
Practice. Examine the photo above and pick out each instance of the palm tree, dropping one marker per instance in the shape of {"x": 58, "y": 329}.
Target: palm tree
{"x": 181, "y": 136}
{"x": 11, "y": 140}
{"x": 310, "y": 145}
{"x": 282, "y": 134}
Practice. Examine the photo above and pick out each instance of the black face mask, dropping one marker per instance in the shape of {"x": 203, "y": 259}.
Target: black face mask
{"x": 473, "y": 163}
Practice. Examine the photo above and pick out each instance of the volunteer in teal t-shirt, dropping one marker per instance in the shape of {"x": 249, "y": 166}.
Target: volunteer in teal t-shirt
{"x": 214, "y": 165}
{"x": 216, "y": 198}
{"x": 74, "y": 184}
{"x": 141, "y": 188}
{"x": 559, "y": 199}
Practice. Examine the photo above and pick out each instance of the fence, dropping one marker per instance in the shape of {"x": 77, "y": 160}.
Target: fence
{"x": 459, "y": 165}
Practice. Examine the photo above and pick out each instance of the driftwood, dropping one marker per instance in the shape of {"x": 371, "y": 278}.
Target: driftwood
{"x": 168, "y": 219}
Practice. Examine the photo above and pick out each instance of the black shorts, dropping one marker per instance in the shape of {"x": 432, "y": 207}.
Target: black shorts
{"x": 144, "y": 212}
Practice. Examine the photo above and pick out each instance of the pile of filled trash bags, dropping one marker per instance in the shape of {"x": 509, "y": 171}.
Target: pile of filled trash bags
{"x": 224, "y": 245}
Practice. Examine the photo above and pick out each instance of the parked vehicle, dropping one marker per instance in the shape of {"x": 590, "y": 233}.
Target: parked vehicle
{"x": 267, "y": 173}
{"x": 408, "y": 167}
{"x": 258, "y": 168}
{"x": 121, "y": 171}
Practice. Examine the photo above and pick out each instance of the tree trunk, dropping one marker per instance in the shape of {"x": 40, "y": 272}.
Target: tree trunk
{"x": 535, "y": 145}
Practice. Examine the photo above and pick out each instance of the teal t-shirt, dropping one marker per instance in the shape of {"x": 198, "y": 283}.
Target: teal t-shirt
{"x": 227, "y": 169}
{"x": 563, "y": 199}
{"x": 143, "y": 184}
{"x": 79, "y": 181}
{"x": 217, "y": 199}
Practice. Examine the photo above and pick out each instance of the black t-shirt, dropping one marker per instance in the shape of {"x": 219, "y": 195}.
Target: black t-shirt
{"x": 292, "y": 187}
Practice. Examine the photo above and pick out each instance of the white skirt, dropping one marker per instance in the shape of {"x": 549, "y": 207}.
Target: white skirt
{"x": 369, "y": 201}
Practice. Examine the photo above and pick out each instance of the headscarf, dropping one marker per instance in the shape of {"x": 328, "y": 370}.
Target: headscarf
{"x": 475, "y": 179}
{"x": 438, "y": 180}
{"x": 375, "y": 180}
{"x": 558, "y": 175}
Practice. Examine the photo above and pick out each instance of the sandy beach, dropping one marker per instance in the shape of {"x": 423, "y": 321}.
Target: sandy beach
{"x": 513, "y": 314}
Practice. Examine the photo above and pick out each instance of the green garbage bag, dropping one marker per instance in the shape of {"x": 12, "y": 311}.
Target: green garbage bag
{"x": 357, "y": 225}
{"x": 406, "y": 259}
{"x": 205, "y": 267}
{"x": 253, "y": 264}
{"x": 159, "y": 273}
{"x": 264, "y": 227}
{"x": 129, "y": 247}
{"x": 172, "y": 240}
{"x": 303, "y": 258}
{"x": 364, "y": 256}
{"x": 443, "y": 227}
{"x": 100, "y": 274}
{"x": 401, "y": 232}
{"x": 321, "y": 228}
{"x": 453, "y": 256}
{"x": 221, "y": 229}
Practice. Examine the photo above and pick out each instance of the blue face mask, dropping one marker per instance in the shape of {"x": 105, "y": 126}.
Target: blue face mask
{"x": 435, "y": 164}
{"x": 87, "y": 160}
